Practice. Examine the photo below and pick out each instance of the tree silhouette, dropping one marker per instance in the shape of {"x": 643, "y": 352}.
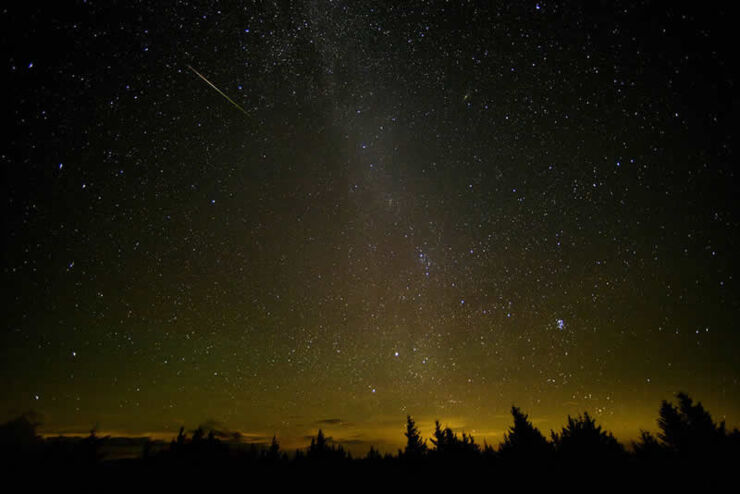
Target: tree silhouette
{"x": 440, "y": 438}
{"x": 273, "y": 452}
{"x": 198, "y": 435}
{"x": 177, "y": 446}
{"x": 524, "y": 440}
{"x": 89, "y": 449}
{"x": 318, "y": 444}
{"x": 373, "y": 455}
{"x": 181, "y": 436}
{"x": 19, "y": 441}
{"x": 648, "y": 448}
{"x": 583, "y": 440}
{"x": 19, "y": 434}
{"x": 447, "y": 444}
{"x": 688, "y": 429}
{"x": 321, "y": 450}
{"x": 415, "y": 446}
{"x": 488, "y": 451}
{"x": 690, "y": 447}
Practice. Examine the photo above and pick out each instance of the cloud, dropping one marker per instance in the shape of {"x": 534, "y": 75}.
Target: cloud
{"x": 256, "y": 439}
{"x": 219, "y": 430}
{"x": 330, "y": 422}
{"x": 329, "y": 439}
{"x": 224, "y": 433}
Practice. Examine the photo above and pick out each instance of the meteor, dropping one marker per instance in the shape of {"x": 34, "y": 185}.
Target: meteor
{"x": 218, "y": 90}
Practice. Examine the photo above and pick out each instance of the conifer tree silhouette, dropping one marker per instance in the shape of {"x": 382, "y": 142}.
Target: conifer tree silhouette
{"x": 19, "y": 435}
{"x": 447, "y": 444}
{"x": 415, "y": 446}
{"x": 439, "y": 438}
{"x": 89, "y": 449}
{"x": 373, "y": 455}
{"x": 583, "y": 440}
{"x": 648, "y": 448}
{"x": 181, "y": 437}
{"x": 19, "y": 441}
{"x": 524, "y": 440}
{"x": 688, "y": 429}
{"x": 321, "y": 450}
{"x": 198, "y": 435}
{"x": 273, "y": 452}
{"x": 318, "y": 444}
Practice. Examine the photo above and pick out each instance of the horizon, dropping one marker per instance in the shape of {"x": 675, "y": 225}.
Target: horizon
{"x": 390, "y": 440}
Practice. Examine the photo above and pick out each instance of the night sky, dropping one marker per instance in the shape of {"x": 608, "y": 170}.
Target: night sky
{"x": 438, "y": 209}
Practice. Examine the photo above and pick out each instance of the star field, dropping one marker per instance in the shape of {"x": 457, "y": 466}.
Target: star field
{"x": 435, "y": 208}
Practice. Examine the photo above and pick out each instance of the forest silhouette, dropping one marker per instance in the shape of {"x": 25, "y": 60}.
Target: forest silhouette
{"x": 690, "y": 450}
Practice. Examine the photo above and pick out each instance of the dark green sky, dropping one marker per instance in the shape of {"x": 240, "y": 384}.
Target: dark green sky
{"x": 438, "y": 209}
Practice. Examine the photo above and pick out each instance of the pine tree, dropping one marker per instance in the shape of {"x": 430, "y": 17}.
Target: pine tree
{"x": 415, "y": 446}
{"x": 320, "y": 448}
{"x": 447, "y": 444}
{"x": 524, "y": 440}
{"x": 273, "y": 452}
{"x": 648, "y": 447}
{"x": 373, "y": 455}
{"x": 688, "y": 429}
{"x": 583, "y": 439}
{"x": 439, "y": 437}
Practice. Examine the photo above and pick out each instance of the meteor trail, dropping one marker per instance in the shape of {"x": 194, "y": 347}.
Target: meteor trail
{"x": 219, "y": 91}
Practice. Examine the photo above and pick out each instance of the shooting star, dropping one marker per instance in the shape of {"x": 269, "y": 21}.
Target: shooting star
{"x": 218, "y": 90}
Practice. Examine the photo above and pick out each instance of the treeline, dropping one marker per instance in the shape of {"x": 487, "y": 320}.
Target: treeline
{"x": 690, "y": 447}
